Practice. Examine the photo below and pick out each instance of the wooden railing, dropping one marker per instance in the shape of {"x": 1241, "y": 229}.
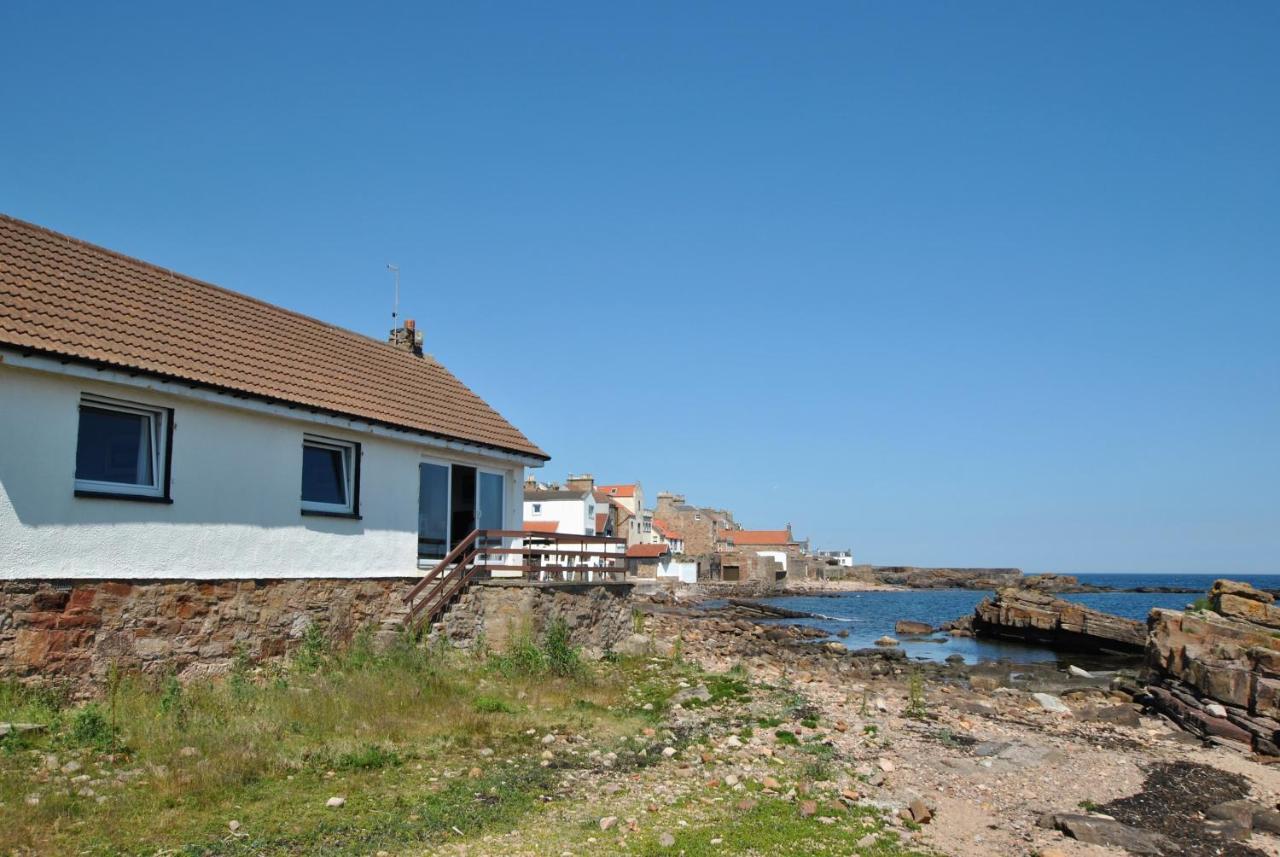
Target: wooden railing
{"x": 538, "y": 556}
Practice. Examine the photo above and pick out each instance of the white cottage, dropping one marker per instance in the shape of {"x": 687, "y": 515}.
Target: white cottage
{"x": 156, "y": 426}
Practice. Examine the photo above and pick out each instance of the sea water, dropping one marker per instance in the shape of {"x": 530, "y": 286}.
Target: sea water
{"x": 866, "y": 616}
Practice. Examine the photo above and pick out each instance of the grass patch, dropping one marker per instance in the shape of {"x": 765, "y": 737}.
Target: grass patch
{"x": 775, "y": 827}
{"x": 493, "y": 705}
{"x": 367, "y": 758}
{"x": 397, "y": 733}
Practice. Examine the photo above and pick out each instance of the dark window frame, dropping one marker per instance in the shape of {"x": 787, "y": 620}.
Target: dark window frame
{"x": 351, "y": 459}
{"x": 164, "y": 460}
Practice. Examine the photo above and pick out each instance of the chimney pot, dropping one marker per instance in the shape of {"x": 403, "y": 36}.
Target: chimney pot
{"x": 407, "y": 338}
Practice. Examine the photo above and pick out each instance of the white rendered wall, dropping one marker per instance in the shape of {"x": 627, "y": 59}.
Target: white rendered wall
{"x": 780, "y": 556}
{"x": 236, "y": 481}
{"x": 685, "y": 572}
{"x": 571, "y": 516}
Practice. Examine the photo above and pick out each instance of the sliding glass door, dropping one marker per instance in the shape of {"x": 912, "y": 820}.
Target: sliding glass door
{"x": 489, "y": 491}
{"x": 453, "y": 500}
{"x": 433, "y": 511}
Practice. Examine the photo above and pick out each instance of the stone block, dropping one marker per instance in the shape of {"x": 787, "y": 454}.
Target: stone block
{"x": 1258, "y": 612}
{"x": 1225, "y": 681}
{"x": 1266, "y": 698}
{"x": 1240, "y": 590}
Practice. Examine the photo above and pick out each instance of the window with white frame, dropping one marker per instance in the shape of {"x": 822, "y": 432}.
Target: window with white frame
{"x": 122, "y": 449}
{"x": 330, "y": 476}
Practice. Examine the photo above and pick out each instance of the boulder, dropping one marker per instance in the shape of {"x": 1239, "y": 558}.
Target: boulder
{"x": 1051, "y": 703}
{"x": 1239, "y": 589}
{"x": 912, "y": 629}
{"x": 1105, "y": 831}
{"x": 1240, "y": 811}
{"x": 635, "y": 645}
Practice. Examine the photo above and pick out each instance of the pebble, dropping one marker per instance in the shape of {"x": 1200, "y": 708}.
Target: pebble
{"x": 233, "y": 825}
{"x": 335, "y": 802}
{"x": 668, "y": 752}
{"x": 666, "y": 840}
{"x": 608, "y": 822}
{"x": 548, "y": 739}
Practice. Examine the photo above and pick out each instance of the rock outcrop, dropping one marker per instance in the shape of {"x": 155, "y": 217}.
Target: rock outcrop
{"x": 942, "y": 578}
{"x": 1035, "y": 617}
{"x": 1216, "y": 671}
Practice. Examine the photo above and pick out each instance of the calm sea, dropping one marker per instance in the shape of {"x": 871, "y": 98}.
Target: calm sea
{"x": 869, "y": 615}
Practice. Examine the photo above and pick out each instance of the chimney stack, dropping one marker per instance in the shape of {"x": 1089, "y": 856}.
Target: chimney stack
{"x": 407, "y": 338}
{"x": 585, "y": 482}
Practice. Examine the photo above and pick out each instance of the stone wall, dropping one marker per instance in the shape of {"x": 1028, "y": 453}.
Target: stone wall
{"x": 496, "y": 612}
{"x": 1217, "y": 671}
{"x": 697, "y": 526}
{"x": 748, "y": 567}
{"x": 75, "y": 630}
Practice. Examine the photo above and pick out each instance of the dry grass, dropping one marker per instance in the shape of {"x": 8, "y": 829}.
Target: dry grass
{"x": 170, "y": 766}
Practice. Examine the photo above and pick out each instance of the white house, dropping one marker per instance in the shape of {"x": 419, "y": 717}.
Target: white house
{"x": 629, "y": 500}
{"x": 572, "y": 510}
{"x": 842, "y": 558}
{"x": 156, "y": 426}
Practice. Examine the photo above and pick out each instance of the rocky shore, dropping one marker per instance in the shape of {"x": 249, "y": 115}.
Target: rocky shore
{"x": 1046, "y": 760}
{"x": 1216, "y": 670}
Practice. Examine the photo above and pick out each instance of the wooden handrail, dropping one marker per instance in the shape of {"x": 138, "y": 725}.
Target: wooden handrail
{"x": 451, "y": 557}
{"x": 567, "y": 537}
{"x": 440, "y": 585}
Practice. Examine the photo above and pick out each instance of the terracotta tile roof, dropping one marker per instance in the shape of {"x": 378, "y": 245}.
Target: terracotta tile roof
{"x": 647, "y": 551}
{"x": 617, "y": 490}
{"x": 542, "y": 526}
{"x": 664, "y": 529}
{"x": 602, "y": 518}
{"x": 757, "y": 537}
{"x": 62, "y": 296}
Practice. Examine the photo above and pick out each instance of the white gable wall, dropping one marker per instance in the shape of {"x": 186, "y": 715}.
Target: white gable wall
{"x": 236, "y": 485}
{"x": 572, "y": 516}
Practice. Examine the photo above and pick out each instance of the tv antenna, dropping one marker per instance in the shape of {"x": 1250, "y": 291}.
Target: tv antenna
{"x": 395, "y": 306}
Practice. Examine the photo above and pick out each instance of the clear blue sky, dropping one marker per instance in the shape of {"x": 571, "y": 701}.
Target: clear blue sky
{"x": 946, "y": 283}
